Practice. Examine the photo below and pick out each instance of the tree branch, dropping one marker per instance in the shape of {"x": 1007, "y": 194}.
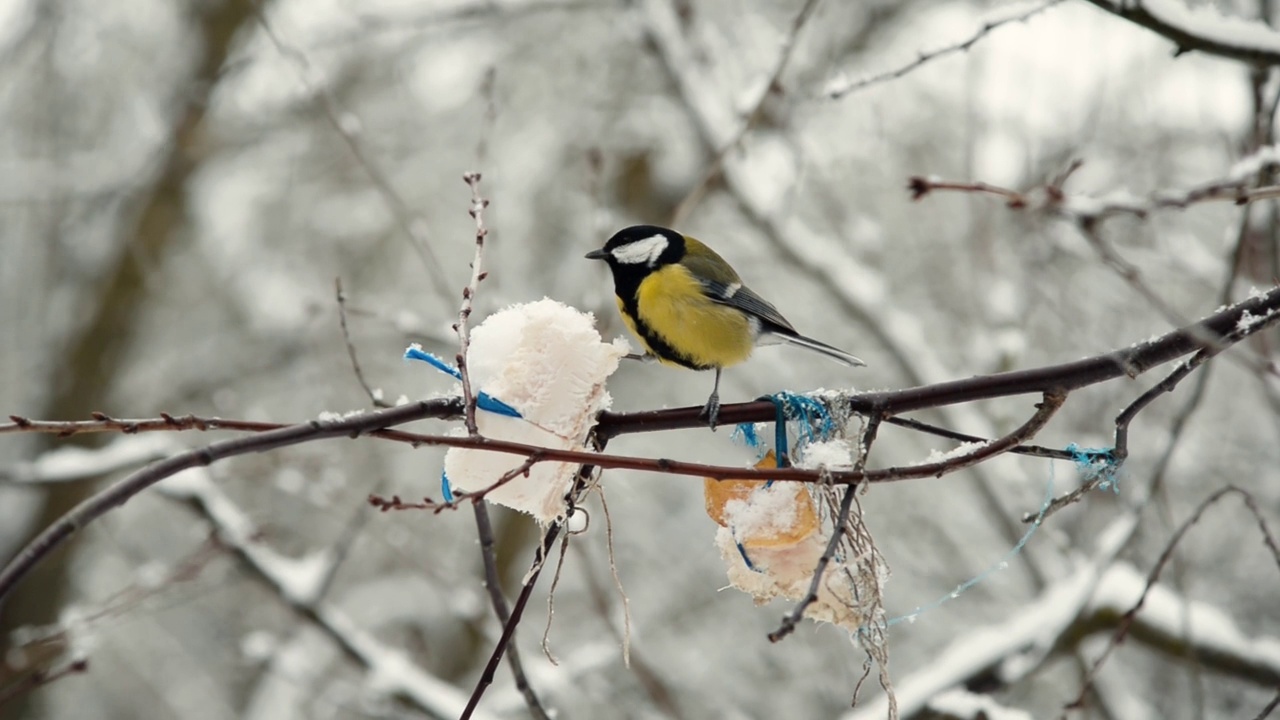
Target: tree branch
{"x": 493, "y": 584}
{"x": 1250, "y": 42}
{"x": 1226, "y": 327}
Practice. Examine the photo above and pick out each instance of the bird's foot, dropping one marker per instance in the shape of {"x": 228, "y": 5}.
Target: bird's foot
{"x": 646, "y": 357}
{"x": 711, "y": 411}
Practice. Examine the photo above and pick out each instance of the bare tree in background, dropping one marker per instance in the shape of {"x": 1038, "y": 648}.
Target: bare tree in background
{"x": 949, "y": 190}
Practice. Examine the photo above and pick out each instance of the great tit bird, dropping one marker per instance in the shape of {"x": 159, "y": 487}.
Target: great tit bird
{"x": 689, "y": 307}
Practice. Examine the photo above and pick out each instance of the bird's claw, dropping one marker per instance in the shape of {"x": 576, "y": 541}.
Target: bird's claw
{"x": 711, "y": 411}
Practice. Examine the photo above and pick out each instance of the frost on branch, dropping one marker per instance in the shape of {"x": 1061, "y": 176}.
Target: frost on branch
{"x": 547, "y": 361}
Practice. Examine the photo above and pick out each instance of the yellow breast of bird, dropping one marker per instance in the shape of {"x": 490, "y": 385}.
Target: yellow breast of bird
{"x": 675, "y": 318}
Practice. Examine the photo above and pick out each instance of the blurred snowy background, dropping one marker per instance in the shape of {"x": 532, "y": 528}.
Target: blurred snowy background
{"x": 181, "y": 183}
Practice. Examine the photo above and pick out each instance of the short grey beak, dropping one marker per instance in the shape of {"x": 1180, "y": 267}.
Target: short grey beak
{"x": 596, "y": 255}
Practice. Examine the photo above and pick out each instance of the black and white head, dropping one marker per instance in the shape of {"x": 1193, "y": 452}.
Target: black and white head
{"x": 641, "y": 248}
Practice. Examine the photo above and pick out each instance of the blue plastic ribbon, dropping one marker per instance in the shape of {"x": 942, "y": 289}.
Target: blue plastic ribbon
{"x": 483, "y": 400}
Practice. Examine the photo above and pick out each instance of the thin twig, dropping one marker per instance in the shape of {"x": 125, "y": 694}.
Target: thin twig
{"x": 347, "y": 125}
{"x": 841, "y": 86}
{"x": 478, "y": 204}
{"x": 1028, "y": 450}
{"x": 493, "y": 584}
{"x": 1120, "y": 452}
{"x": 102, "y": 422}
{"x": 374, "y": 397}
{"x": 791, "y": 619}
{"x": 40, "y": 678}
{"x": 1167, "y": 385}
{"x": 585, "y": 473}
{"x": 384, "y": 504}
{"x": 517, "y": 611}
{"x": 1126, "y": 622}
{"x": 1271, "y": 706}
{"x": 771, "y": 86}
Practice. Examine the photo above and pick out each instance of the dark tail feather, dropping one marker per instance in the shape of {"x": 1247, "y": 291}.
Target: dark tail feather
{"x": 832, "y": 352}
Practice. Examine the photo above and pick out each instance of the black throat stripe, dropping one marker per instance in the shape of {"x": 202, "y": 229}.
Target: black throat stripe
{"x": 656, "y": 344}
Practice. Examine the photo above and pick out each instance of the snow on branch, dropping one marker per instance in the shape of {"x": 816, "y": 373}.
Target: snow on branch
{"x": 842, "y": 85}
{"x": 299, "y": 582}
{"x": 1201, "y": 29}
{"x": 1218, "y": 641}
{"x": 69, "y": 464}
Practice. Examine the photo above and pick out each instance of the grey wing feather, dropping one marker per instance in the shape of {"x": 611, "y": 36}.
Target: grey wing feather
{"x": 745, "y": 299}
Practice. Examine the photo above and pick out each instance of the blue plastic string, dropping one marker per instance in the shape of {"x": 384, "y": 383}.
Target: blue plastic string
{"x": 746, "y": 434}
{"x": 788, "y": 406}
{"x": 816, "y": 422}
{"x": 1097, "y": 464}
{"x": 483, "y": 399}
{"x": 445, "y": 488}
{"x": 1001, "y": 564}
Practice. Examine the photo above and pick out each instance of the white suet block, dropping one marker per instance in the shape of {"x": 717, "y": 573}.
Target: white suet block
{"x": 546, "y": 360}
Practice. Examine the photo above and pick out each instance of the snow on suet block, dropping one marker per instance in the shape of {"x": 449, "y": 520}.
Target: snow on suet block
{"x": 762, "y": 514}
{"x": 547, "y": 361}
{"x": 770, "y": 538}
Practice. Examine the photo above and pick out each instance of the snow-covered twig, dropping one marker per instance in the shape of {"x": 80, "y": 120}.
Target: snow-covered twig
{"x": 1203, "y": 29}
{"x": 1087, "y": 213}
{"x": 70, "y": 464}
{"x": 1109, "y": 593}
{"x": 842, "y": 85}
{"x": 478, "y": 204}
{"x": 299, "y": 582}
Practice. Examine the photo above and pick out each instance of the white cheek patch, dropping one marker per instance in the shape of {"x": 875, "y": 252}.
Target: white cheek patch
{"x": 645, "y": 251}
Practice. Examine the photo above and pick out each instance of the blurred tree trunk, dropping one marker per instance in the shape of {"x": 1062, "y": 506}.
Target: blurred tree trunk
{"x": 93, "y": 358}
